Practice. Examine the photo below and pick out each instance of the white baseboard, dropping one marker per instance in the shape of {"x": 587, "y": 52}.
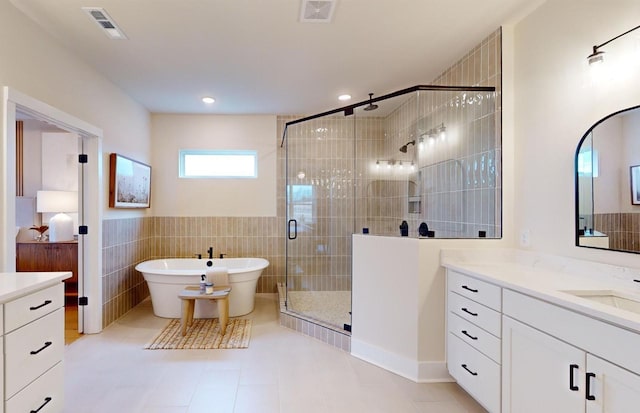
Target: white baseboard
{"x": 420, "y": 372}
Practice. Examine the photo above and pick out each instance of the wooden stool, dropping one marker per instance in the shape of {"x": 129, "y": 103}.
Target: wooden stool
{"x": 192, "y": 293}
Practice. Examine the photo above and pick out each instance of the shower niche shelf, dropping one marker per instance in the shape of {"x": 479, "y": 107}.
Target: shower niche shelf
{"x": 414, "y": 205}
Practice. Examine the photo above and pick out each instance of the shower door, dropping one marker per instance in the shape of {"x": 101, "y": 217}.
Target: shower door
{"x": 320, "y": 219}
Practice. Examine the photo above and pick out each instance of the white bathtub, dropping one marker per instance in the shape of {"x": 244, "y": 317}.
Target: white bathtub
{"x": 167, "y": 277}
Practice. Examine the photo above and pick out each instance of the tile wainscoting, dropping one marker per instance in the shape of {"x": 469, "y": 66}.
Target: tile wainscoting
{"x": 127, "y": 242}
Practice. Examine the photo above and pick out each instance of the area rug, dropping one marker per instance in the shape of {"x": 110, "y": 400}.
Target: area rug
{"x": 203, "y": 334}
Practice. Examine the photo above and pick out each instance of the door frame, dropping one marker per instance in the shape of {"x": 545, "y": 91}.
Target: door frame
{"x": 90, "y": 196}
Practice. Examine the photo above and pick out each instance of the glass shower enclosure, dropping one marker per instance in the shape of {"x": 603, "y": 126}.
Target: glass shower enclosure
{"x": 426, "y": 157}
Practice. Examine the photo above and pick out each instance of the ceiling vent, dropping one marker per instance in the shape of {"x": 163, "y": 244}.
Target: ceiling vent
{"x": 320, "y": 11}
{"x": 106, "y": 23}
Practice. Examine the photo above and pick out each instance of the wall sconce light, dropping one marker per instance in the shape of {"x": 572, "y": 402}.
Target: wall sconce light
{"x": 432, "y": 134}
{"x": 598, "y": 55}
{"x": 58, "y": 202}
{"x": 396, "y": 165}
{"x": 442, "y": 131}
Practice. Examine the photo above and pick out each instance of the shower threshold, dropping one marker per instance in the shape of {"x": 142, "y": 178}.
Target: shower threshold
{"x": 330, "y": 307}
{"x": 317, "y": 322}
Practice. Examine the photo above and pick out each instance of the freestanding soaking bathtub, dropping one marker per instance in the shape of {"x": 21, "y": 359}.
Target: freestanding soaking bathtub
{"x": 167, "y": 277}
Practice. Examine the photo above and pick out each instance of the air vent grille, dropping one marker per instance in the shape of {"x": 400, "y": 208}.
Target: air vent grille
{"x": 317, "y": 11}
{"x": 97, "y": 14}
{"x": 105, "y": 22}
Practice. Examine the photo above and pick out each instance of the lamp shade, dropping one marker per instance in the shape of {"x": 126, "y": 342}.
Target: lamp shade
{"x": 57, "y": 201}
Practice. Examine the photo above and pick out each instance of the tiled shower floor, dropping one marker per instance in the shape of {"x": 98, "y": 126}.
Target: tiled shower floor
{"x": 331, "y": 307}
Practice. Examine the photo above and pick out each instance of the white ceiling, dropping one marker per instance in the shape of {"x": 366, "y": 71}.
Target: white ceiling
{"x": 255, "y": 57}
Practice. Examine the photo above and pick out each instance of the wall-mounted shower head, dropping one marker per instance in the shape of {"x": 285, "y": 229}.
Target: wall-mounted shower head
{"x": 403, "y": 148}
{"x": 371, "y": 106}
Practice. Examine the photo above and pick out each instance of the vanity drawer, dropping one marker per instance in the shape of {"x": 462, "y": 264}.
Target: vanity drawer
{"x": 475, "y": 372}
{"x": 45, "y": 395}
{"x": 484, "y": 317}
{"x": 475, "y": 337}
{"x": 479, "y": 291}
{"x": 33, "y": 306}
{"x": 32, "y": 350}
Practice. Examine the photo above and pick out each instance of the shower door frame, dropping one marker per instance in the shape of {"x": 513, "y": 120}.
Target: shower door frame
{"x": 323, "y": 238}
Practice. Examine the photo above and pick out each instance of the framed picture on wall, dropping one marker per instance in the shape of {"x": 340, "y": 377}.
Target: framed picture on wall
{"x": 635, "y": 184}
{"x": 129, "y": 183}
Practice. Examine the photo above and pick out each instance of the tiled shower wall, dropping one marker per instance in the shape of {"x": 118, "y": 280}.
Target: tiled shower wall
{"x": 478, "y": 197}
{"x": 456, "y": 187}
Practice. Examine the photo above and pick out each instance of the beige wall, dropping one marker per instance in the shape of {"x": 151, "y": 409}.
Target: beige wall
{"x": 557, "y": 101}
{"x": 172, "y": 196}
{"x": 36, "y": 65}
{"x": 608, "y": 185}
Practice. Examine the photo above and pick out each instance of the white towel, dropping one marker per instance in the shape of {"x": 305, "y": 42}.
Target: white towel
{"x": 219, "y": 276}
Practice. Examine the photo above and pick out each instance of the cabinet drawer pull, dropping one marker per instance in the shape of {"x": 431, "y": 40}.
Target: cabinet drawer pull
{"x": 469, "y": 335}
{"x": 46, "y": 400}
{"x": 588, "y": 394}
{"x": 47, "y": 302}
{"x": 464, "y": 366}
{"x": 469, "y": 289}
{"x": 469, "y": 312}
{"x": 46, "y": 344}
{"x": 572, "y": 386}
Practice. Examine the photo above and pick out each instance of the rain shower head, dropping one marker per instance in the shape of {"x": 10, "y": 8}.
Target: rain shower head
{"x": 371, "y": 106}
{"x": 403, "y": 148}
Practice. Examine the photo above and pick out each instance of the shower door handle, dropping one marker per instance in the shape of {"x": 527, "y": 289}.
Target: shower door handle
{"x": 295, "y": 229}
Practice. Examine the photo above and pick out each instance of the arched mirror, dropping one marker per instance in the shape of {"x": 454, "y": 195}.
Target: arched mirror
{"x": 607, "y": 174}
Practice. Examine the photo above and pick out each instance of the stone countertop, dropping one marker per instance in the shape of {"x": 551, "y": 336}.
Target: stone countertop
{"x": 549, "y": 277}
{"x": 17, "y": 284}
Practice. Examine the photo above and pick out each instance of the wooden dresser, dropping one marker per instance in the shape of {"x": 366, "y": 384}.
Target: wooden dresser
{"x": 35, "y": 256}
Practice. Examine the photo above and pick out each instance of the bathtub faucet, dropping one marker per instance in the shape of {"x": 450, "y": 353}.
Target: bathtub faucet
{"x": 210, "y": 251}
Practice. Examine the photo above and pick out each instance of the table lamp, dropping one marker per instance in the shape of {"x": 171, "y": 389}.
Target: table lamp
{"x": 58, "y": 202}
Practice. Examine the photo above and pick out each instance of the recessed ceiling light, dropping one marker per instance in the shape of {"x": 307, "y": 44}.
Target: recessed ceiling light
{"x": 208, "y": 100}
{"x": 344, "y": 97}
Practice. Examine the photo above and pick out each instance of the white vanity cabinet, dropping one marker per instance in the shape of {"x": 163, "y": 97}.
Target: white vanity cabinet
{"x": 473, "y": 337}
{"x": 557, "y": 360}
{"x": 33, "y": 343}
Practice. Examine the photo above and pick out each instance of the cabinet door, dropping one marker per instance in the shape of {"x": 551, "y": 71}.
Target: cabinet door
{"x": 539, "y": 372}
{"x": 64, "y": 257}
{"x": 32, "y": 257}
{"x": 614, "y": 389}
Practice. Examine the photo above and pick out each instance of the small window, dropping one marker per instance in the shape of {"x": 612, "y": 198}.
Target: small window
{"x": 302, "y": 207}
{"x": 588, "y": 163}
{"x": 218, "y": 164}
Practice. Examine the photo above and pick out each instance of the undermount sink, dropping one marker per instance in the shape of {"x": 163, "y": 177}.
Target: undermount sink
{"x": 617, "y": 299}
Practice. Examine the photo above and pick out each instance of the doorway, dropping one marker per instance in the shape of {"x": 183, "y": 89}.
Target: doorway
{"x": 47, "y": 182}
{"x": 89, "y": 245}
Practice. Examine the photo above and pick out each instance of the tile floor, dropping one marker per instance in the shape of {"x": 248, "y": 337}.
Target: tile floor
{"x": 281, "y": 371}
